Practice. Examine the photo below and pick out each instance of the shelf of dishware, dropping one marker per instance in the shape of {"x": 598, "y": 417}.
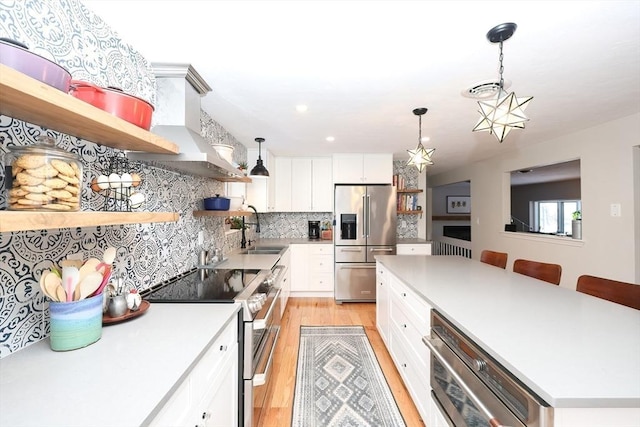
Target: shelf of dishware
{"x": 22, "y": 220}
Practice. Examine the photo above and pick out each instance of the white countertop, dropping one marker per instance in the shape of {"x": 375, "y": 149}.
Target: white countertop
{"x": 572, "y": 349}
{"x": 119, "y": 380}
{"x": 249, "y": 262}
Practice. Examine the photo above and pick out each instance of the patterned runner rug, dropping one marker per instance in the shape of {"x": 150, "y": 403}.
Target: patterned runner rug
{"x": 339, "y": 382}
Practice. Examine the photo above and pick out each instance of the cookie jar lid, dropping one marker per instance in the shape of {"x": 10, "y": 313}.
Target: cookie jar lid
{"x": 46, "y": 146}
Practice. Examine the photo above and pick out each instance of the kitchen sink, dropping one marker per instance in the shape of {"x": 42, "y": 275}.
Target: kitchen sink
{"x": 264, "y": 250}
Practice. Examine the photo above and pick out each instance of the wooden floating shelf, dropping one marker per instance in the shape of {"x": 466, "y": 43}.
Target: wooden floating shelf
{"x": 410, "y": 212}
{"x": 222, "y": 213}
{"x": 409, "y": 190}
{"x": 23, "y": 220}
{"x": 27, "y": 99}
{"x": 235, "y": 179}
{"x": 451, "y": 218}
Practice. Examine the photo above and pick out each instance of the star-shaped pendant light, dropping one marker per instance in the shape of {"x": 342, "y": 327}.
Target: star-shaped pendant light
{"x": 420, "y": 157}
{"x": 505, "y": 111}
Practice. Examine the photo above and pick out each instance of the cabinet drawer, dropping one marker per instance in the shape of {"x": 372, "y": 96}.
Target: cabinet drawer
{"x": 320, "y": 249}
{"x": 179, "y": 409}
{"x": 321, "y": 263}
{"x": 321, "y": 281}
{"x": 410, "y": 335}
{"x": 420, "y": 249}
{"x": 417, "y": 308}
{"x": 208, "y": 366}
{"x": 414, "y": 376}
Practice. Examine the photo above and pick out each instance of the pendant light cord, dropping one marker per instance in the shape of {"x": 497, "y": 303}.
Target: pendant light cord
{"x": 501, "y": 67}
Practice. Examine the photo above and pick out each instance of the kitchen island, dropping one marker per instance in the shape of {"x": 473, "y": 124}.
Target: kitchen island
{"x": 124, "y": 379}
{"x": 580, "y": 354}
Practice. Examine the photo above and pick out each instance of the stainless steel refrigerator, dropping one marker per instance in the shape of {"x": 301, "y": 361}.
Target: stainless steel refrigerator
{"x": 365, "y": 218}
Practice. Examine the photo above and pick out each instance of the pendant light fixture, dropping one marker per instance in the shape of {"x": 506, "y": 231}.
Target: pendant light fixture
{"x": 504, "y": 112}
{"x": 259, "y": 171}
{"x": 420, "y": 157}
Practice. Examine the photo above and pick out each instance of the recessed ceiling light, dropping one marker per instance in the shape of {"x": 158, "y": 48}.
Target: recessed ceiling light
{"x": 330, "y": 139}
{"x": 301, "y": 108}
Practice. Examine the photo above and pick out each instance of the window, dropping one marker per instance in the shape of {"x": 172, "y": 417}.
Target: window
{"x": 554, "y": 216}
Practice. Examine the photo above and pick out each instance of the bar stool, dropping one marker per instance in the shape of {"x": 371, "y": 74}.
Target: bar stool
{"x": 499, "y": 259}
{"x": 611, "y": 290}
{"x": 540, "y": 270}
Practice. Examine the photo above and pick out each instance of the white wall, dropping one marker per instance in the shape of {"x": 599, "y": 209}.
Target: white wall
{"x": 609, "y": 247}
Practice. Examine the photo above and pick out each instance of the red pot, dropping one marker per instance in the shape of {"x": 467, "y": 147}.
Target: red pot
{"x": 16, "y": 55}
{"x": 115, "y": 101}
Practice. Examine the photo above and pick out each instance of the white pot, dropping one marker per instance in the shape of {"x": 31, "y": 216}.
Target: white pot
{"x": 576, "y": 229}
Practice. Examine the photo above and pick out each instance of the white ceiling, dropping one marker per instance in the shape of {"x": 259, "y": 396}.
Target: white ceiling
{"x": 363, "y": 66}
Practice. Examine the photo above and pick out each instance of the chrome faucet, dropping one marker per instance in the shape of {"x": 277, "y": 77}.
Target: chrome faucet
{"x": 243, "y": 242}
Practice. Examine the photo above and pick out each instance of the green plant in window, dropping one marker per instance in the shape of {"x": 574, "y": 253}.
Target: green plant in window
{"x": 577, "y": 215}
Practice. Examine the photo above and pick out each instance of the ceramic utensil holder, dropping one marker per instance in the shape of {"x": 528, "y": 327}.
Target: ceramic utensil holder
{"x": 75, "y": 324}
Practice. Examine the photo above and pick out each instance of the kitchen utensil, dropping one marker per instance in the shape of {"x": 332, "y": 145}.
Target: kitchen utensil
{"x": 61, "y": 295}
{"x": 43, "y": 287}
{"x": 90, "y": 284}
{"x": 70, "y": 277}
{"x": 113, "y": 100}
{"x": 217, "y": 203}
{"x": 52, "y": 283}
{"x": 89, "y": 267}
{"x": 108, "y": 257}
{"x": 17, "y": 56}
{"x": 117, "y": 306}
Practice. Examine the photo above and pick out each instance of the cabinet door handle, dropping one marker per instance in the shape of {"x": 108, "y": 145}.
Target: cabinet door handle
{"x": 404, "y": 294}
{"x": 404, "y": 325}
{"x": 223, "y": 348}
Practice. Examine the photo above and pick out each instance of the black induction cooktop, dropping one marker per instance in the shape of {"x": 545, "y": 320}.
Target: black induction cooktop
{"x": 214, "y": 286}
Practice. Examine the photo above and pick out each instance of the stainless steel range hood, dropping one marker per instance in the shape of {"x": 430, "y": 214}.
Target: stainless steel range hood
{"x": 177, "y": 118}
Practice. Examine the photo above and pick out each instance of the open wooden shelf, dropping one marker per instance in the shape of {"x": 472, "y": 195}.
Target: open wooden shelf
{"x": 222, "y": 213}
{"x": 234, "y": 179}
{"x": 27, "y": 99}
{"x": 21, "y": 220}
{"x": 409, "y": 190}
{"x": 410, "y": 212}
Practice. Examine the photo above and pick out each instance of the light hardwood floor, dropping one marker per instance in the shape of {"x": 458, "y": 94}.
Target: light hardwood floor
{"x": 324, "y": 311}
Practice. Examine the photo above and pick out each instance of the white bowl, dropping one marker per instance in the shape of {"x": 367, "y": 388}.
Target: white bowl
{"x": 224, "y": 151}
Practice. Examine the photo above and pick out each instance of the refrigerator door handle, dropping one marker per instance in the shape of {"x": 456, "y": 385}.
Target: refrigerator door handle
{"x": 365, "y": 216}
{"x": 381, "y": 250}
{"x": 355, "y": 267}
{"x": 350, "y": 249}
{"x": 368, "y": 215}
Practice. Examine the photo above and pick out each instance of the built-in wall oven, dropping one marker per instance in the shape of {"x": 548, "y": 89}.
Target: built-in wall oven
{"x": 258, "y": 291}
{"x": 472, "y": 389}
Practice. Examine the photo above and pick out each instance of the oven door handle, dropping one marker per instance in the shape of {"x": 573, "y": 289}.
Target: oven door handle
{"x": 432, "y": 344}
{"x": 262, "y": 323}
{"x": 260, "y": 378}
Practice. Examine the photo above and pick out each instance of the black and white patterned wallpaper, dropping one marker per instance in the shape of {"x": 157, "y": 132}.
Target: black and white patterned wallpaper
{"x": 65, "y": 32}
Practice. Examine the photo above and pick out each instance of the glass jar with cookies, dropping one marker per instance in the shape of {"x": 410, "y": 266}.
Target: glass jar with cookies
{"x": 44, "y": 178}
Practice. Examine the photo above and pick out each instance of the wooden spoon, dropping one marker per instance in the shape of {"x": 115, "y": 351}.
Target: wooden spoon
{"x": 41, "y": 282}
{"x": 51, "y": 284}
{"x": 89, "y": 285}
{"x": 107, "y": 258}
{"x": 61, "y": 294}
{"x": 88, "y": 267}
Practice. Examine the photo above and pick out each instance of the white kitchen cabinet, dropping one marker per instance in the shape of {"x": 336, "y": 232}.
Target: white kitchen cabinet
{"x": 363, "y": 168}
{"x": 208, "y": 396}
{"x": 312, "y": 269}
{"x": 261, "y": 192}
{"x": 413, "y": 249}
{"x": 409, "y": 322}
{"x": 383, "y": 302}
{"x": 303, "y": 184}
{"x": 285, "y": 260}
{"x": 438, "y": 419}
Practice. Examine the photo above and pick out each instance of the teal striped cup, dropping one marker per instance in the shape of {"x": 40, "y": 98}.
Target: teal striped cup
{"x": 75, "y": 324}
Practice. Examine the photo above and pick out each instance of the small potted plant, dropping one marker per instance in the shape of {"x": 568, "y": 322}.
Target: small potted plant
{"x": 243, "y": 167}
{"x": 576, "y": 225}
{"x": 236, "y": 222}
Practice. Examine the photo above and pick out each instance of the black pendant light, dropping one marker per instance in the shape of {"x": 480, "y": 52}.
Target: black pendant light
{"x": 259, "y": 170}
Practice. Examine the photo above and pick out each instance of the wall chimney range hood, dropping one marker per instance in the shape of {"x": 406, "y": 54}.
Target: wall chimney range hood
{"x": 177, "y": 118}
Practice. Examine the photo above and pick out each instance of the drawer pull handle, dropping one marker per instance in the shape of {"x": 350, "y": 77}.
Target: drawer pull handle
{"x": 223, "y": 348}
{"x": 404, "y": 365}
{"x": 404, "y": 325}
{"x": 404, "y": 294}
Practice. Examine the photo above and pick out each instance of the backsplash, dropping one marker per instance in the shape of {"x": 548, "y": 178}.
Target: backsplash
{"x": 81, "y": 42}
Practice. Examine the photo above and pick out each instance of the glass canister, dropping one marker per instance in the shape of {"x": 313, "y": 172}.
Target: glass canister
{"x": 44, "y": 178}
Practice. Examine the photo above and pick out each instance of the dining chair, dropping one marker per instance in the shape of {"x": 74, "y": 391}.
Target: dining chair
{"x": 540, "y": 270}
{"x": 611, "y": 290}
{"x": 499, "y": 259}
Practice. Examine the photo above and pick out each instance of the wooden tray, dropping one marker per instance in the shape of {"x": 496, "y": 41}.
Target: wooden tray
{"x": 108, "y": 320}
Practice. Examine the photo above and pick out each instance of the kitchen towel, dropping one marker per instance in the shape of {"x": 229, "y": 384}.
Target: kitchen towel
{"x": 339, "y": 381}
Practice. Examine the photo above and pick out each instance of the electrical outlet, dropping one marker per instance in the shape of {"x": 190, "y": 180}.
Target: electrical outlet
{"x": 616, "y": 209}
{"x": 403, "y": 224}
{"x": 200, "y": 237}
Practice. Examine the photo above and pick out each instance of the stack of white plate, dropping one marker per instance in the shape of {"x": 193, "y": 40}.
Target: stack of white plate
{"x": 224, "y": 151}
